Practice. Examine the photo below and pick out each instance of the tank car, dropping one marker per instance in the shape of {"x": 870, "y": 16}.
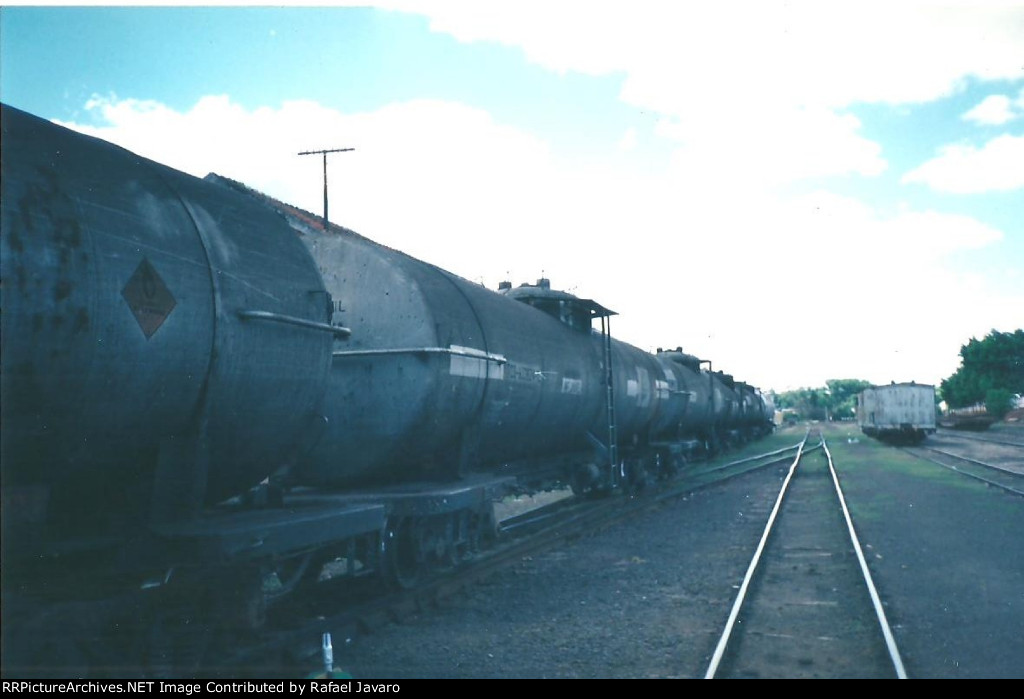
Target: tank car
{"x": 199, "y": 377}
{"x": 900, "y": 413}
{"x": 442, "y": 377}
{"x": 165, "y": 345}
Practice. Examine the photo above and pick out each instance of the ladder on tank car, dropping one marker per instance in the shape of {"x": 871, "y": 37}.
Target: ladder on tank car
{"x": 606, "y": 342}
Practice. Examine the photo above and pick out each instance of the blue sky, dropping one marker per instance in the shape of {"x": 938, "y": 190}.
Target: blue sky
{"x": 722, "y": 175}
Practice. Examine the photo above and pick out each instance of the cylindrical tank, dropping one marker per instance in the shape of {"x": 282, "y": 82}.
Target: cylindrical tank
{"x": 441, "y": 374}
{"x": 644, "y": 405}
{"x": 696, "y": 386}
{"x": 725, "y": 400}
{"x": 165, "y": 340}
{"x": 751, "y": 407}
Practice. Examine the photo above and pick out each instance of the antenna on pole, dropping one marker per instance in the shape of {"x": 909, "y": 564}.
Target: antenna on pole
{"x": 324, "y": 153}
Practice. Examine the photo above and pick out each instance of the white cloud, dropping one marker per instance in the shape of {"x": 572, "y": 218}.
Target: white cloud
{"x": 798, "y": 53}
{"x": 962, "y": 169}
{"x": 758, "y": 91}
{"x": 994, "y": 110}
{"x": 684, "y": 262}
{"x": 771, "y": 146}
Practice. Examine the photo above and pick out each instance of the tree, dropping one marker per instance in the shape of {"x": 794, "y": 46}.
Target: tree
{"x": 994, "y": 363}
{"x": 836, "y": 399}
{"x": 807, "y": 402}
{"x": 843, "y": 394}
{"x": 998, "y": 402}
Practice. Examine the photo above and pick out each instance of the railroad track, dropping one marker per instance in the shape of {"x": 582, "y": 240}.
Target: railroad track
{"x": 959, "y": 434}
{"x": 296, "y": 640}
{"x": 1004, "y": 471}
{"x": 807, "y": 606}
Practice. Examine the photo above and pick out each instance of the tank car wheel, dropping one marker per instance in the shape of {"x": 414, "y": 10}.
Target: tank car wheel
{"x": 459, "y": 540}
{"x": 455, "y": 554}
{"x": 659, "y": 467}
{"x": 668, "y": 465}
{"x": 483, "y": 529}
{"x": 633, "y": 475}
{"x": 713, "y": 445}
{"x": 679, "y": 462}
{"x": 403, "y": 555}
{"x": 285, "y": 575}
{"x": 437, "y": 541}
{"x": 584, "y": 479}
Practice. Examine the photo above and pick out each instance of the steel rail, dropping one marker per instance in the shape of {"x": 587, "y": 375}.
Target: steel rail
{"x": 707, "y": 469}
{"x": 890, "y": 641}
{"x": 1007, "y": 488}
{"x": 674, "y": 487}
{"x": 761, "y": 456}
{"x": 537, "y": 514}
{"x": 957, "y": 434}
{"x": 973, "y": 461}
{"x": 730, "y": 624}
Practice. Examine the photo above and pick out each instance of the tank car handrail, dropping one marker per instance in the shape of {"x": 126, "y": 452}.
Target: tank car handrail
{"x": 337, "y": 330}
{"x": 455, "y": 351}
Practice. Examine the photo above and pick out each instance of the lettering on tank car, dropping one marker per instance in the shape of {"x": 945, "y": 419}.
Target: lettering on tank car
{"x": 573, "y": 387}
{"x": 521, "y": 373}
{"x": 148, "y": 298}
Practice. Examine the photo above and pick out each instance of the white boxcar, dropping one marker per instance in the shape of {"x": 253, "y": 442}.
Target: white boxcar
{"x": 900, "y": 412}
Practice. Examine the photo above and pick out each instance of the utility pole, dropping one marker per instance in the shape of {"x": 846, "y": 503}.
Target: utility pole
{"x": 324, "y": 153}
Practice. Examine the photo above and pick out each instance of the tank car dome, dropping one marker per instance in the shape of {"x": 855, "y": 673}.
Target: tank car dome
{"x": 571, "y": 310}
{"x": 677, "y": 355}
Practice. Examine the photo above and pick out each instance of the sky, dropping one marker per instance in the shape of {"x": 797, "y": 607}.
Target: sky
{"x": 795, "y": 191}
